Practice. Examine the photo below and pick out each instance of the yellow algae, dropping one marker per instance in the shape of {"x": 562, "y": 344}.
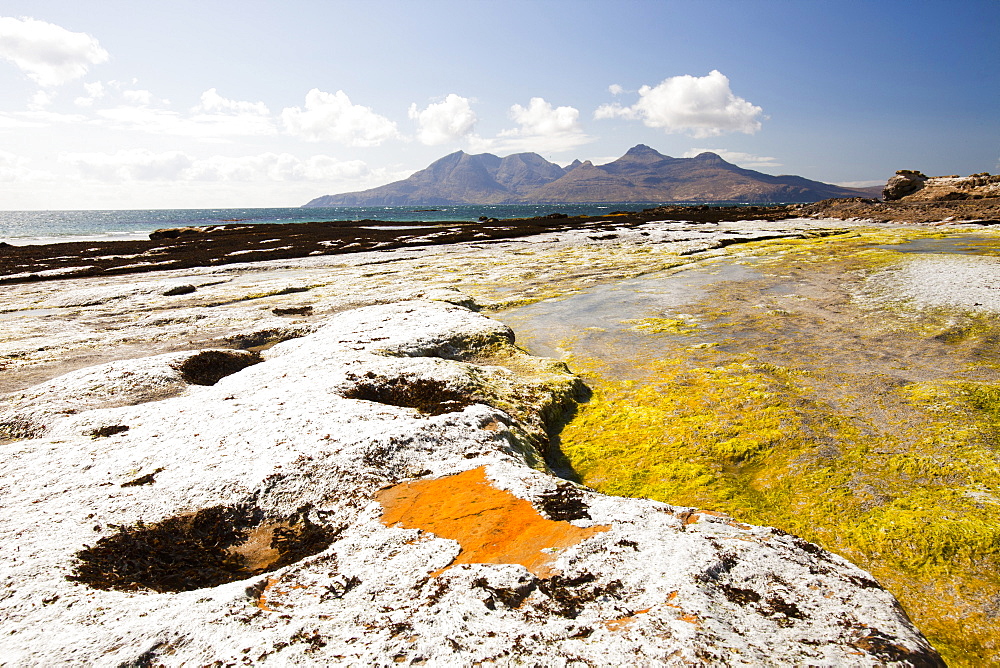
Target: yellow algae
{"x": 868, "y": 428}
{"x": 663, "y": 325}
{"x": 743, "y": 439}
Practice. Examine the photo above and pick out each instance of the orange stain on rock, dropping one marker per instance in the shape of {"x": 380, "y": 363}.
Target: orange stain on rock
{"x": 623, "y": 622}
{"x": 491, "y": 525}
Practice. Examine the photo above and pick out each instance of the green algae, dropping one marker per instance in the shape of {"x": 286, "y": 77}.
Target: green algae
{"x": 862, "y": 425}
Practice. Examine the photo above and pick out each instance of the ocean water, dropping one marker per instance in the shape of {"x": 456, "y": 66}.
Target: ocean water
{"x": 46, "y": 227}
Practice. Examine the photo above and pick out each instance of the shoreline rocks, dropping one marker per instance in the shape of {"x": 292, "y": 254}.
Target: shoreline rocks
{"x": 911, "y": 186}
{"x": 379, "y": 493}
{"x": 907, "y": 211}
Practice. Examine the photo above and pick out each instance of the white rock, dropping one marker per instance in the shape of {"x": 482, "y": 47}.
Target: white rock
{"x": 644, "y": 584}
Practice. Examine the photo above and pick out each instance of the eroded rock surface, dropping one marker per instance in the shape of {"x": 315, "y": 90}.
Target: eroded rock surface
{"x": 284, "y": 515}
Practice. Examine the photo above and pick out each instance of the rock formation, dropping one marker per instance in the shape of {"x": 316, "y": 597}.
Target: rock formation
{"x": 376, "y": 492}
{"x": 905, "y": 182}
{"x": 912, "y": 186}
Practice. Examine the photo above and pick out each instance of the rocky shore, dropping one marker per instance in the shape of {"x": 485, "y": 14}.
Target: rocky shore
{"x": 182, "y": 248}
{"x": 217, "y": 245}
{"x": 334, "y": 458}
{"x": 376, "y": 491}
{"x": 909, "y": 212}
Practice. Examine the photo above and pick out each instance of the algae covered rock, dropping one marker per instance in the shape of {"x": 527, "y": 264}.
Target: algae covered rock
{"x": 377, "y": 492}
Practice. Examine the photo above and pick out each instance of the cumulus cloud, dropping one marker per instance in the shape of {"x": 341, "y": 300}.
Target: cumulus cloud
{"x": 615, "y": 89}
{"x": 333, "y": 117}
{"x": 540, "y": 118}
{"x": 214, "y": 118}
{"x": 213, "y": 103}
{"x": 543, "y": 127}
{"x": 220, "y": 116}
{"x": 748, "y": 160}
{"x": 445, "y": 121}
{"x": 48, "y": 54}
{"x": 698, "y": 106}
{"x": 177, "y": 166}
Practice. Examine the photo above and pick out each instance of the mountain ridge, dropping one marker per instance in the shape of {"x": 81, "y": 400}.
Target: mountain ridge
{"x": 642, "y": 174}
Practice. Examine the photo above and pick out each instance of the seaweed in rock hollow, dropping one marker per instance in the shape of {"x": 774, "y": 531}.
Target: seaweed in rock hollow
{"x": 202, "y": 549}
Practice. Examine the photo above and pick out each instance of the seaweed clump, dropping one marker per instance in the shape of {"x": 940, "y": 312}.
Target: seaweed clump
{"x": 427, "y": 395}
{"x": 206, "y": 548}
{"x": 210, "y": 366}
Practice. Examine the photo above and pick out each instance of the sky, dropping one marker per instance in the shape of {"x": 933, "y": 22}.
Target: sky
{"x": 117, "y": 104}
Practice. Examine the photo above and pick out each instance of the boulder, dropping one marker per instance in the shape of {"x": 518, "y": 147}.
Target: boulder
{"x": 905, "y": 182}
{"x": 176, "y": 232}
{"x": 373, "y": 492}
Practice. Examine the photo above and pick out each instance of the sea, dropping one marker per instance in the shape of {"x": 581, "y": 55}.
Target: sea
{"x": 20, "y": 228}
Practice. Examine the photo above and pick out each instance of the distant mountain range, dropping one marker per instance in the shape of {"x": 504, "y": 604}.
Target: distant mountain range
{"x": 641, "y": 175}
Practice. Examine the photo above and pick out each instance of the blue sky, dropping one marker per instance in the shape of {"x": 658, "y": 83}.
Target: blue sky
{"x": 120, "y": 104}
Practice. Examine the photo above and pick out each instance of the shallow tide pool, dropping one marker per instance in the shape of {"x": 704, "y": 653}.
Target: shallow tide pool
{"x": 787, "y": 384}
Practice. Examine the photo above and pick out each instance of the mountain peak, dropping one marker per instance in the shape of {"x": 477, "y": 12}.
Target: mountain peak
{"x": 641, "y": 150}
{"x": 643, "y": 174}
{"x": 708, "y": 157}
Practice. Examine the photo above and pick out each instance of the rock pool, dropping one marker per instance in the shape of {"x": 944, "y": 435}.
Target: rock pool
{"x": 845, "y": 390}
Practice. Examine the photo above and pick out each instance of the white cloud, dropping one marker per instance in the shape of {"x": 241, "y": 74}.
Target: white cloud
{"x": 14, "y": 168}
{"x": 220, "y": 116}
{"x": 38, "y": 118}
{"x": 95, "y": 91}
{"x": 215, "y": 117}
{"x": 129, "y": 165}
{"x": 748, "y": 160}
{"x": 698, "y": 106}
{"x": 615, "y": 89}
{"x": 147, "y": 119}
{"x": 48, "y": 54}
{"x": 543, "y": 128}
{"x": 540, "y": 118}
{"x": 276, "y": 167}
{"x": 8, "y": 122}
{"x": 614, "y": 110}
{"x": 142, "y": 98}
{"x": 332, "y": 116}
{"x": 213, "y": 103}
{"x": 41, "y": 99}
{"x": 444, "y": 121}
{"x": 176, "y": 166}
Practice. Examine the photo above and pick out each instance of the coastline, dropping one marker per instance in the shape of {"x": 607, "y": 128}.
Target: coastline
{"x": 223, "y": 244}
{"x": 214, "y": 245}
{"x": 264, "y": 303}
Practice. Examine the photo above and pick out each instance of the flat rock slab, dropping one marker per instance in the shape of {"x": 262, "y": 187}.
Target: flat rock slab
{"x": 358, "y": 496}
